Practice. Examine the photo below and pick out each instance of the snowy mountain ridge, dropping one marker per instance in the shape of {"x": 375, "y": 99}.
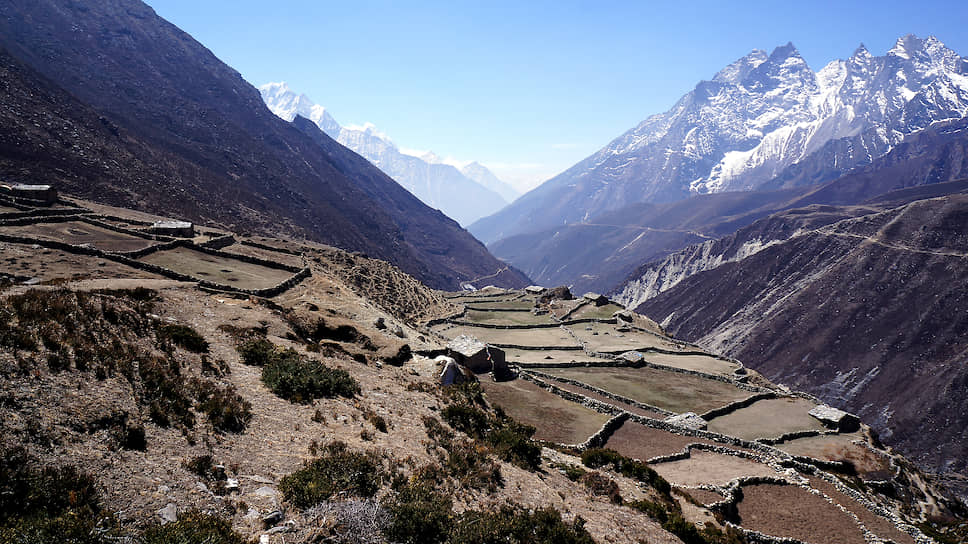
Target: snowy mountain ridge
{"x": 763, "y": 122}
{"x": 440, "y": 183}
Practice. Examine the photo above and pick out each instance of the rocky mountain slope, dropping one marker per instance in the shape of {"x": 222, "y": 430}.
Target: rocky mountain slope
{"x": 151, "y": 394}
{"x": 864, "y": 311}
{"x": 459, "y": 195}
{"x": 600, "y": 253}
{"x": 750, "y": 126}
{"x": 109, "y": 101}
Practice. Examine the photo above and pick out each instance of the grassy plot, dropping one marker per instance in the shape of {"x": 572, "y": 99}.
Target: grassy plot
{"x": 524, "y": 317}
{"x": 699, "y": 363}
{"x": 703, "y": 467}
{"x": 269, "y": 255}
{"x": 556, "y": 419}
{"x": 793, "y": 512}
{"x": 218, "y": 269}
{"x": 768, "y": 418}
{"x": 671, "y": 391}
{"x": 590, "y": 311}
{"x": 842, "y": 447}
{"x": 78, "y": 232}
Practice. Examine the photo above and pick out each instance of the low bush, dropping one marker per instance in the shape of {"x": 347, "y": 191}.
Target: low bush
{"x": 419, "y": 514}
{"x": 166, "y": 393}
{"x": 301, "y": 380}
{"x": 601, "y": 485}
{"x": 183, "y": 336}
{"x": 257, "y": 352}
{"x": 194, "y": 527}
{"x": 637, "y": 470}
{"x": 508, "y": 439}
{"x": 337, "y": 471}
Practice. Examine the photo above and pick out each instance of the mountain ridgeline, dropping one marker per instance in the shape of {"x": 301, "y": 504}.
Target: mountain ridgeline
{"x": 464, "y": 194}
{"x": 109, "y": 101}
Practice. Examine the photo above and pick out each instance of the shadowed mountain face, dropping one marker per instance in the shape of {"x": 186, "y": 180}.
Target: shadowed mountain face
{"x": 869, "y": 313}
{"x": 131, "y": 110}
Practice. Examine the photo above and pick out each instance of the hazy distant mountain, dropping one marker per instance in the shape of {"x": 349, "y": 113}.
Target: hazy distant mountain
{"x": 765, "y": 120}
{"x": 111, "y": 102}
{"x": 479, "y": 173}
{"x": 462, "y": 197}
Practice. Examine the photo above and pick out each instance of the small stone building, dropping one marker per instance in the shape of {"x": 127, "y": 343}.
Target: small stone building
{"x": 835, "y": 419}
{"x": 596, "y": 299}
{"x": 45, "y": 194}
{"x": 478, "y": 356}
{"x": 178, "y": 229}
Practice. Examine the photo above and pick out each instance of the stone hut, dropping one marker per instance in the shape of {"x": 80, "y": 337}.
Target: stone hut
{"x": 596, "y": 299}
{"x": 835, "y": 419}
{"x": 40, "y": 193}
{"x": 178, "y": 229}
{"x": 478, "y": 356}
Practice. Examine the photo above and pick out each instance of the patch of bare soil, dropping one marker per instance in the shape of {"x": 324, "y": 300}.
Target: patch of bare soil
{"x": 556, "y": 419}
{"x": 640, "y": 442}
{"x": 704, "y": 496}
{"x": 791, "y": 511}
{"x": 876, "y": 524}
{"x": 870, "y": 465}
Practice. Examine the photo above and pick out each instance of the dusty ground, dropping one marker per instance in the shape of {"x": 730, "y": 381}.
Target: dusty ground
{"x": 791, "y": 511}
{"x": 870, "y": 464}
{"x": 632, "y": 409}
{"x": 700, "y": 363}
{"x": 51, "y": 265}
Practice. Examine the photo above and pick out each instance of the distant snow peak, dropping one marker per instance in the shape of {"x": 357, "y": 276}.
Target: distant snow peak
{"x": 438, "y": 182}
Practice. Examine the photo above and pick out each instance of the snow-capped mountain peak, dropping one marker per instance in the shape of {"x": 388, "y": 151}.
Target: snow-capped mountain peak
{"x": 763, "y": 121}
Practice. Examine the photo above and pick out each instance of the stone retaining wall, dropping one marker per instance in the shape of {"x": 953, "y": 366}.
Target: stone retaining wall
{"x": 733, "y": 406}
{"x": 220, "y": 242}
{"x": 270, "y": 248}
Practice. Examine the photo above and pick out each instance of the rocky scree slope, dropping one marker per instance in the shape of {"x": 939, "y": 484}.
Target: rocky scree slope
{"x": 465, "y": 194}
{"x": 750, "y": 126}
{"x": 188, "y": 137}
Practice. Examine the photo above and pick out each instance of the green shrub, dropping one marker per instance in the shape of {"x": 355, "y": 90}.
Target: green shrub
{"x": 166, "y": 393}
{"x": 419, "y": 514}
{"x": 338, "y": 471}
{"x": 601, "y": 485}
{"x": 184, "y": 336}
{"x": 301, "y": 380}
{"x": 39, "y": 505}
{"x": 517, "y": 525}
{"x": 467, "y": 419}
{"x": 193, "y": 528}
{"x": 257, "y": 351}
{"x": 508, "y": 439}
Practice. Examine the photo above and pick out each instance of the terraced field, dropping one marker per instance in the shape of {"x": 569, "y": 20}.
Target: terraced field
{"x": 79, "y": 232}
{"x": 217, "y": 268}
{"x": 579, "y": 364}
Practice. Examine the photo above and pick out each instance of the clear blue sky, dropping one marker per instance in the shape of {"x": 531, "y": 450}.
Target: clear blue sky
{"x": 528, "y": 87}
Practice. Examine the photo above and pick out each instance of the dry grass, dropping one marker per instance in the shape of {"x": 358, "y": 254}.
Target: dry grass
{"x": 640, "y": 442}
{"x": 521, "y": 337}
{"x": 556, "y": 419}
{"x": 549, "y": 356}
{"x": 668, "y": 390}
{"x": 218, "y": 269}
{"x": 767, "y": 419}
{"x": 52, "y": 266}
{"x": 523, "y": 317}
{"x": 276, "y": 256}
{"x": 605, "y": 337}
{"x": 590, "y": 311}
{"x": 699, "y": 363}
{"x": 703, "y": 467}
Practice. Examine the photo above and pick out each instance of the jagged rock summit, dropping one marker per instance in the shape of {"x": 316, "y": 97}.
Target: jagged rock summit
{"x": 764, "y": 121}
{"x": 465, "y": 194}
